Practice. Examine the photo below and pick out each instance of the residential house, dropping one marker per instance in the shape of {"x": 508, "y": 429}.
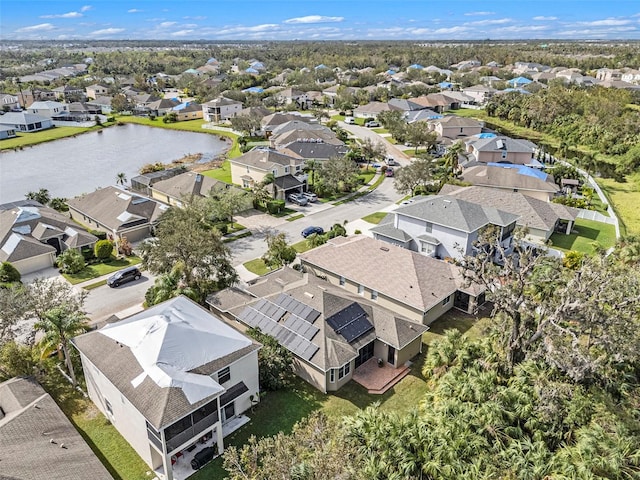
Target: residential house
{"x": 104, "y": 103}
{"x": 631, "y": 76}
{"x": 292, "y": 95}
{"x": 25, "y": 122}
{"x": 334, "y": 91}
{"x": 144, "y": 182}
{"x": 314, "y": 149}
{"x": 170, "y": 378}
{"x": 519, "y": 82}
{"x": 330, "y": 331}
{"x": 48, "y": 109}
{"x": 272, "y": 121}
{"x": 117, "y": 212}
{"x": 220, "y": 109}
{"x": 162, "y": 106}
{"x": 37, "y": 440}
{"x": 529, "y": 181}
{"x": 31, "y": 236}
{"x": 174, "y": 190}
{"x": 187, "y": 111}
{"x": 296, "y": 130}
{"x": 405, "y": 105}
{"x": 69, "y": 93}
{"x": 8, "y": 102}
{"x": 423, "y": 115}
{"x": 251, "y": 169}
{"x": 436, "y": 102}
{"x": 443, "y": 226}
{"x": 608, "y": 74}
{"x": 454, "y": 127}
{"x": 500, "y": 149}
{"x": 415, "y": 286}
{"x": 27, "y": 97}
{"x": 95, "y": 91}
{"x": 480, "y": 94}
{"x": 540, "y": 218}
{"x": 7, "y": 132}
{"x": 372, "y": 109}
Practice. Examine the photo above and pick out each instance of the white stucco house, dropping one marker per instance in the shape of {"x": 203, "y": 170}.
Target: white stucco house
{"x": 169, "y": 379}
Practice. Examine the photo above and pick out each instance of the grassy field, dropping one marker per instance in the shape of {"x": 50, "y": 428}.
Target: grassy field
{"x": 625, "y": 199}
{"x": 56, "y": 133}
{"x": 375, "y": 217}
{"x": 223, "y": 173}
{"x": 99, "y": 269}
{"x": 588, "y": 233}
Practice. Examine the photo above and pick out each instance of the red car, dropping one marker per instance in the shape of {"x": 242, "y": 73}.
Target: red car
{"x": 388, "y": 172}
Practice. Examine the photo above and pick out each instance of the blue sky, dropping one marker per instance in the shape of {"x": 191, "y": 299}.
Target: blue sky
{"x": 319, "y": 19}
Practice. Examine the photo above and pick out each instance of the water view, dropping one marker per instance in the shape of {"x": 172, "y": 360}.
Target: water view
{"x": 75, "y": 165}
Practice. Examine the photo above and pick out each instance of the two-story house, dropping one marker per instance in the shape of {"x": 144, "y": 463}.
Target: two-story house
{"x": 331, "y": 333}
{"x": 48, "y": 109}
{"x": 443, "y": 226}
{"x": 170, "y": 379}
{"x": 251, "y": 169}
{"x": 453, "y": 127}
{"x": 500, "y": 149}
{"x": 96, "y": 90}
{"x": 220, "y": 109}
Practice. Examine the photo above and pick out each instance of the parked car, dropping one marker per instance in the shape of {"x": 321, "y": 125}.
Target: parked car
{"x": 391, "y": 161}
{"x": 125, "y": 275}
{"x": 310, "y": 196}
{"x": 299, "y": 199}
{"x": 203, "y": 457}
{"x": 350, "y": 120}
{"x": 311, "y": 230}
{"x": 372, "y": 124}
{"x": 388, "y": 172}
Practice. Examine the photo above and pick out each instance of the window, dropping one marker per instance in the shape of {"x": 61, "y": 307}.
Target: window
{"x": 374, "y": 295}
{"x": 361, "y": 289}
{"x": 248, "y": 171}
{"x": 446, "y": 300}
{"x": 504, "y": 155}
{"x": 342, "y": 281}
{"x": 332, "y": 376}
{"x": 428, "y": 227}
{"x": 344, "y": 370}
{"x": 286, "y": 169}
{"x": 107, "y": 405}
{"x": 275, "y": 172}
{"x": 427, "y": 248}
{"x": 297, "y": 168}
{"x": 224, "y": 375}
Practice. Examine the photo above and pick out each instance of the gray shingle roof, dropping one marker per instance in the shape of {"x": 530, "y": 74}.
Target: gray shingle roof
{"x": 455, "y": 213}
{"x": 493, "y": 176}
{"x": 188, "y": 184}
{"x": 266, "y": 159}
{"x": 32, "y": 420}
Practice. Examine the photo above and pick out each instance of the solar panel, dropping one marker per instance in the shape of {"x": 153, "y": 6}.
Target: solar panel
{"x": 301, "y": 327}
{"x": 351, "y": 322}
{"x": 296, "y": 307}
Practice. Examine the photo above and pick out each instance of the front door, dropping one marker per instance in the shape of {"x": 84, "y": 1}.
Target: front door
{"x": 391, "y": 355}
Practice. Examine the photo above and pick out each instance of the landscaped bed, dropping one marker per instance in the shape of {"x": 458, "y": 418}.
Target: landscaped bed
{"x": 99, "y": 269}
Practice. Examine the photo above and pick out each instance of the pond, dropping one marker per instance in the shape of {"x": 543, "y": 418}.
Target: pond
{"x": 76, "y": 165}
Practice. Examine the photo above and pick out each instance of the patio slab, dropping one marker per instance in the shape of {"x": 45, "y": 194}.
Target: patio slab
{"x": 377, "y": 380}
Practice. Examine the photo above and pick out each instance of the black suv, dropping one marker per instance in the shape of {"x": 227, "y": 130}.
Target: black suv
{"x": 123, "y": 276}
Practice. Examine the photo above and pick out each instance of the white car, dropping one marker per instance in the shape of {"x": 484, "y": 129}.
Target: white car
{"x": 298, "y": 199}
{"x": 312, "y": 197}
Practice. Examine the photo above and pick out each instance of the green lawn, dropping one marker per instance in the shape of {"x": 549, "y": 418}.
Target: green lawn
{"x": 223, "y": 173}
{"x": 295, "y": 217}
{"x": 375, "y": 217}
{"x": 28, "y": 139}
{"x": 99, "y": 269}
{"x": 625, "y": 199}
{"x": 588, "y": 232}
{"x": 380, "y": 130}
{"x": 256, "y": 266}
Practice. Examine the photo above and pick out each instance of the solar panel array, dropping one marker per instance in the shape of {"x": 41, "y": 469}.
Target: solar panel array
{"x": 294, "y": 333}
{"x": 351, "y": 322}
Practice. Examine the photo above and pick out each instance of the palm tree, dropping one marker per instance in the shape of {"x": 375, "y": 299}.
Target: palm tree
{"x": 451, "y": 159}
{"x": 59, "y": 325}
{"x": 41, "y": 196}
{"x": 270, "y": 179}
{"x": 312, "y": 165}
{"x": 121, "y": 178}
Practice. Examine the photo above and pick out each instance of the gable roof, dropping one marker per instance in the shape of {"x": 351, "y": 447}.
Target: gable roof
{"x": 455, "y": 213}
{"x": 21, "y": 118}
{"x": 265, "y": 159}
{"x": 307, "y": 149}
{"x": 457, "y": 121}
{"x": 510, "y": 176}
{"x": 161, "y": 359}
{"x": 38, "y": 441}
{"x": 188, "y": 184}
{"x": 500, "y": 144}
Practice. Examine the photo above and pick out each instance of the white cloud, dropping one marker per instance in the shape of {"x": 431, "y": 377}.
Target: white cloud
{"x": 86, "y": 8}
{"x": 182, "y": 33}
{"x": 607, "y": 22}
{"x": 266, "y": 27}
{"x": 314, "y": 19}
{"x": 540, "y": 18}
{"x": 107, "y": 31}
{"x": 167, "y": 24}
{"x": 64, "y": 15}
{"x": 497, "y": 21}
{"x": 199, "y": 17}
{"x": 478, "y": 14}
{"x": 41, "y": 27}
{"x": 134, "y": 10}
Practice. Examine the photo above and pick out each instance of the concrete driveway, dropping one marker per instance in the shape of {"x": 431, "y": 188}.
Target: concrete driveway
{"x": 392, "y": 150}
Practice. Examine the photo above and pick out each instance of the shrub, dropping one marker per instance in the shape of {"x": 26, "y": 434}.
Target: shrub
{"x": 358, "y": 232}
{"x": 98, "y": 233}
{"x": 275, "y": 206}
{"x": 103, "y": 249}
{"x": 70, "y": 261}
{"x": 9, "y": 273}
{"x": 223, "y": 228}
{"x": 88, "y": 254}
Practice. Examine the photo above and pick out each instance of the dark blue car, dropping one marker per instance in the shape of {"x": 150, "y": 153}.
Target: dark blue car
{"x": 311, "y": 230}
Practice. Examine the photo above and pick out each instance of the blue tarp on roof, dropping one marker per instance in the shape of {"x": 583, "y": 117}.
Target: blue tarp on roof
{"x": 485, "y": 135}
{"x": 253, "y": 90}
{"x": 416, "y": 66}
{"x": 445, "y": 84}
{"x": 181, "y": 106}
{"x": 519, "y": 90}
{"x": 321, "y": 66}
{"x": 522, "y": 170}
{"x": 519, "y": 81}
{"x": 251, "y": 70}
{"x": 391, "y": 72}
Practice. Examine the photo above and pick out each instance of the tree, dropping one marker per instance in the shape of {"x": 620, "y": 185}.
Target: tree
{"x": 41, "y": 196}
{"x": 169, "y": 285}
{"x": 372, "y": 151}
{"x": 103, "y": 249}
{"x": 9, "y": 273}
{"x": 185, "y": 236}
{"x": 275, "y": 362}
{"x": 70, "y": 261}
{"x": 270, "y": 179}
{"x": 311, "y": 165}
{"x": 226, "y": 203}
{"x": 17, "y": 360}
{"x": 247, "y": 124}
{"x": 59, "y": 204}
{"x": 120, "y": 103}
{"x": 339, "y": 174}
{"x": 418, "y": 134}
{"x": 419, "y": 173}
{"x": 59, "y": 325}
{"x": 450, "y": 161}
{"x": 121, "y": 178}
{"x": 278, "y": 253}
